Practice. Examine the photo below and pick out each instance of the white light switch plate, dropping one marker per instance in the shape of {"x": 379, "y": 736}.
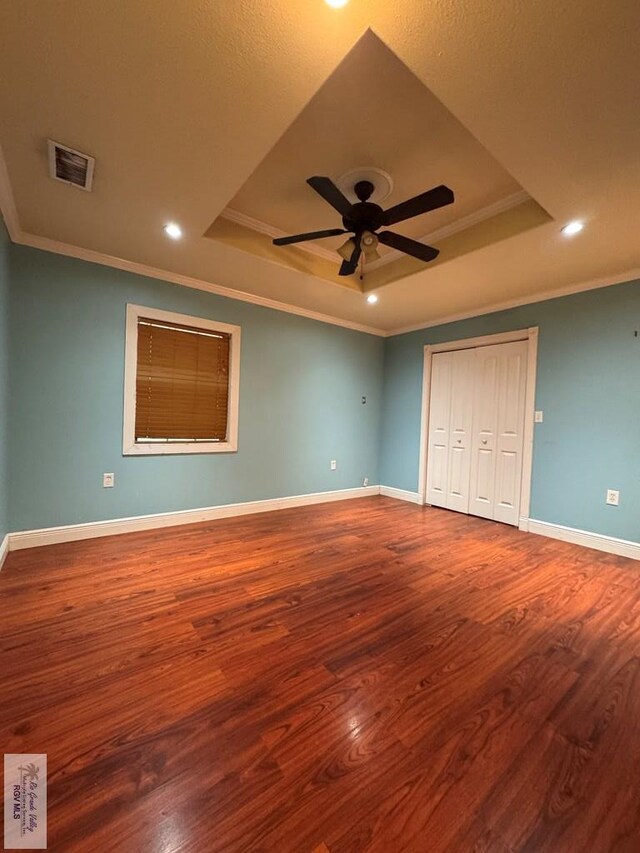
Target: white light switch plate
{"x": 333, "y": 465}
{"x": 108, "y": 481}
{"x": 613, "y": 497}
{"x": 539, "y": 417}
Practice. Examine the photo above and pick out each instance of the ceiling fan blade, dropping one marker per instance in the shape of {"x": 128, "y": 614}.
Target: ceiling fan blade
{"x": 423, "y": 203}
{"x": 330, "y": 193}
{"x": 350, "y": 266}
{"x": 312, "y": 235}
{"x": 408, "y": 246}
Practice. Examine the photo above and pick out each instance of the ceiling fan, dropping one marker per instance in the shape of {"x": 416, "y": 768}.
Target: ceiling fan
{"x": 364, "y": 218}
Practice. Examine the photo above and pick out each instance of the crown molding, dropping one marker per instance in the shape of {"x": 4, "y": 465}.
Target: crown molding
{"x": 46, "y": 244}
{"x": 59, "y": 248}
{"x": 270, "y": 231}
{"x": 569, "y": 290}
{"x": 461, "y": 224}
{"x": 390, "y": 255}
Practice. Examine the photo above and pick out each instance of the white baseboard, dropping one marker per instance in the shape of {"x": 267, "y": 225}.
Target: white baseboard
{"x": 4, "y": 549}
{"x": 622, "y": 547}
{"x": 112, "y": 527}
{"x": 400, "y": 494}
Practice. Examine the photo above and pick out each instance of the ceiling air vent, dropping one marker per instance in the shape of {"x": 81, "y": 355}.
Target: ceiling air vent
{"x": 70, "y": 166}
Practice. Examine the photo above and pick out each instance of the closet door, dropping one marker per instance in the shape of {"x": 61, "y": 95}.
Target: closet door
{"x": 510, "y": 434}
{"x": 439, "y": 417}
{"x": 450, "y": 422}
{"x": 485, "y": 428}
{"x": 498, "y": 423}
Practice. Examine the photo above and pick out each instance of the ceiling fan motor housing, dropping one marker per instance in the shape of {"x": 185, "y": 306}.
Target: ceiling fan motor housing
{"x": 364, "y": 215}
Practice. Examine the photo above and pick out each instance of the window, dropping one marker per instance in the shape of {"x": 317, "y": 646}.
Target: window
{"x": 181, "y": 384}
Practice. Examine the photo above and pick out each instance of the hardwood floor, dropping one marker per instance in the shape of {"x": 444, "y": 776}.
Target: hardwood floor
{"x": 360, "y": 676}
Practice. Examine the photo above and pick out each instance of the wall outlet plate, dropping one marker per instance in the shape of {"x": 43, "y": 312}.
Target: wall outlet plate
{"x": 613, "y": 497}
{"x": 365, "y": 482}
{"x": 108, "y": 481}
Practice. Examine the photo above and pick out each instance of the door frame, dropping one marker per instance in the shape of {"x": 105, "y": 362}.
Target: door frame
{"x": 531, "y": 336}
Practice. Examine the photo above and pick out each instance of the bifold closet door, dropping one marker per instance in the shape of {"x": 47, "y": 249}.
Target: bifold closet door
{"x": 450, "y": 429}
{"x": 498, "y": 424}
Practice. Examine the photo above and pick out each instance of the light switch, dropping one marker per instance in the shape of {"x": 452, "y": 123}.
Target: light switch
{"x": 539, "y": 416}
{"x": 108, "y": 481}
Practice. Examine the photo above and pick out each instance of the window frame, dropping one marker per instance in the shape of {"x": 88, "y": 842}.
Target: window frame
{"x": 129, "y": 445}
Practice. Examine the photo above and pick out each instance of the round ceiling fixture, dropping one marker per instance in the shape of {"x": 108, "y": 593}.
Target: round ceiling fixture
{"x": 336, "y": 4}
{"x": 372, "y": 298}
{"x": 381, "y": 180}
{"x": 572, "y": 228}
{"x": 172, "y": 230}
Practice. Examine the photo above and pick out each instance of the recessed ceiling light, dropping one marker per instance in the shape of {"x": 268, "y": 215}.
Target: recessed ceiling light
{"x": 572, "y": 228}
{"x": 172, "y": 230}
{"x": 372, "y": 299}
{"x": 336, "y": 4}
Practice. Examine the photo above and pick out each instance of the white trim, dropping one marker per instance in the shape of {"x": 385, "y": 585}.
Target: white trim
{"x": 46, "y": 244}
{"x": 424, "y": 426}
{"x": 461, "y": 224}
{"x": 481, "y": 341}
{"x": 116, "y": 526}
{"x": 400, "y": 494}
{"x": 529, "y": 420}
{"x": 269, "y": 230}
{"x": 481, "y": 215}
{"x": 610, "y": 544}
{"x": 495, "y": 307}
{"x": 129, "y": 445}
{"x": 531, "y": 336}
{"x": 4, "y": 549}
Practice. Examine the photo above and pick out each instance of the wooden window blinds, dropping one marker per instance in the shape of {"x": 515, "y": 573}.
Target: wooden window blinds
{"x": 182, "y": 383}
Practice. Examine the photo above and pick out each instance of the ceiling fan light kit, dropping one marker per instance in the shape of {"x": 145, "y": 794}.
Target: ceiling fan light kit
{"x": 364, "y": 218}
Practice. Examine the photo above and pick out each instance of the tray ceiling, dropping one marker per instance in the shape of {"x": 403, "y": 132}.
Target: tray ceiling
{"x": 193, "y": 108}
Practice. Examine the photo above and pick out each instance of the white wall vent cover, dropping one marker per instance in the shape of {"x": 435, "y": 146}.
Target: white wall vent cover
{"x": 70, "y": 166}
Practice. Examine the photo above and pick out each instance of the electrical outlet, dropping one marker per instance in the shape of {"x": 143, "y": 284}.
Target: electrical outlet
{"x": 538, "y": 417}
{"x": 108, "y": 481}
{"x": 613, "y": 497}
{"x": 365, "y": 482}
{"x": 333, "y": 465}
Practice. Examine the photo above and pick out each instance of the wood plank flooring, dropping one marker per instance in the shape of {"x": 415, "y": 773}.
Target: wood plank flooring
{"x": 360, "y": 676}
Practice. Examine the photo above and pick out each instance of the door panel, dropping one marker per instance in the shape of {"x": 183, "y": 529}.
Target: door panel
{"x": 485, "y": 421}
{"x": 510, "y": 438}
{"x": 462, "y": 366}
{"x": 438, "y": 468}
{"x": 439, "y": 416}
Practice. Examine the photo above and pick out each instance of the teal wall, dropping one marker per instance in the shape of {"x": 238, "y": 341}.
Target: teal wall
{"x": 4, "y": 380}
{"x": 300, "y": 402}
{"x": 588, "y": 386}
{"x": 301, "y": 385}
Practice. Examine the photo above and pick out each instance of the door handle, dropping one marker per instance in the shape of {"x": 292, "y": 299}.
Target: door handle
{"x": 459, "y": 440}
{"x": 484, "y": 440}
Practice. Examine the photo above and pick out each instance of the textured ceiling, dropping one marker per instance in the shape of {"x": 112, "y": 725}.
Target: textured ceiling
{"x": 373, "y": 111}
{"x": 181, "y": 102}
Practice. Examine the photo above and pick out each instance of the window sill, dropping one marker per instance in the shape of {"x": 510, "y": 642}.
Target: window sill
{"x": 154, "y": 449}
